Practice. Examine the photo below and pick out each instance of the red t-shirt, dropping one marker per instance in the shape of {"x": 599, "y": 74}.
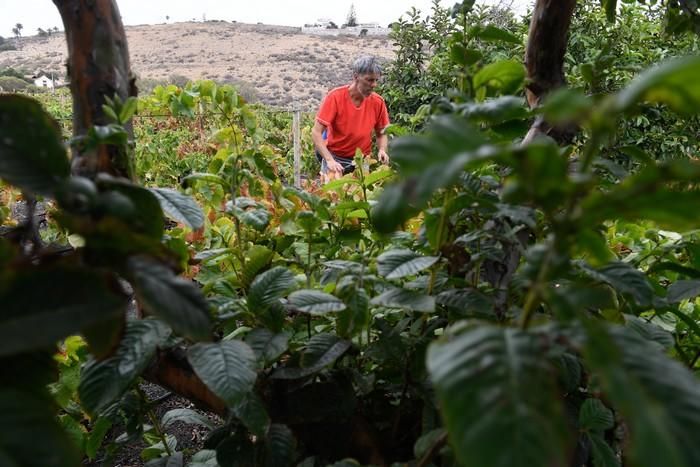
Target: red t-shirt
{"x": 350, "y": 127}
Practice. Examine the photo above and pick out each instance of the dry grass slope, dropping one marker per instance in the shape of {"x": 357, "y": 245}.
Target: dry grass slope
{"x": 275, "y": 64}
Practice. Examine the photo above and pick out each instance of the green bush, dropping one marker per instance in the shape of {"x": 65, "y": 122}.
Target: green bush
{"x": 11, "y": 83}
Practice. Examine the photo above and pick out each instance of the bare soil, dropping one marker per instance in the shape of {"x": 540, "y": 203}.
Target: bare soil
{"x": 276, "y": 65}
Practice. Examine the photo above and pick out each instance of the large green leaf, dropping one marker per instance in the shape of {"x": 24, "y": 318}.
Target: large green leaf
{"x": 180, "y": 207}
{"x": 394, "y": 264}
{"x": 498, "y": 399}
{"x": 610, "y": 7}
{"x": 176, "y": 300}
{"x": 42, "y": 306}
{"x": 30, "y": 435}
{"x": 257, "y": 258}
{"x": 624, "y": 278}
{"x": 321, "y": 350}
{"x": 145, "y": 217}
{"x": 267, "y": 345}
{"x": 356, "y": 317}
{"x": 494, "y": 34}
{"x": 673, "y": 83}
{"x": 315, "y": 302}
{"x": 227, "y": 368}
{"x": 103, "y": 382}
{"x": 32, "y": 156}
{"x": 406, "y": 299}
{"x": 495, "y": 111}
{"x": 635, "y": 373}
{"x": 251, "y": 411}
{"x": 466, "y": 302}
{"x": 594, "y": 416}
{"x": 188, "y": 416}
{"x": 279, "y": 446}
{"x": 268, "y": 287}
{"x": 666, "y": 194}
{"x": 602, "y": 453}
{"x": 433, "y": 160}
{"x": 682, "y": 290}
{"x": 504, "y": 75}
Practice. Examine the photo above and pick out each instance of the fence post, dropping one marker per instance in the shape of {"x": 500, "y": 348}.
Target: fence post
{"x": 296, "y": 123}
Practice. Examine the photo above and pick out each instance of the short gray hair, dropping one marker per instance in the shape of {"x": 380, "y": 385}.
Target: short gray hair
{"x": 365, "y": 65}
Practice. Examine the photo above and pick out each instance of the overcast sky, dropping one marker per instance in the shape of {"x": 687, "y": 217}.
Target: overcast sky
{"x": 33, "y": 14}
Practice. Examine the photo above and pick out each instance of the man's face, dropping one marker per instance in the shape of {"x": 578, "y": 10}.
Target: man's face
{"x": 366, "y": 83}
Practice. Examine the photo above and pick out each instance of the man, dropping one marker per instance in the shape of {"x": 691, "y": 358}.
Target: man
{"x": 347, "y": 116}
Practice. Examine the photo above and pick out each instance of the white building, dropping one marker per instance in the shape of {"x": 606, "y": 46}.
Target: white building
{"x": 43, "y": 81}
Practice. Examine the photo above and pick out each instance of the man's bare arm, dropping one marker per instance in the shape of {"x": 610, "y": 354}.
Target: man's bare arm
{"x": 317, "y": 137}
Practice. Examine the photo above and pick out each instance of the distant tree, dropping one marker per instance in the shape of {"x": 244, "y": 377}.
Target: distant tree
{"x": 55, "y": 29}
{"x": 41, "y": 32}
{"x": 352, "y": 17}
{"x": 167, "y": 18}
{"x": 19, "y": 28}
{"x": 332, "y": 25}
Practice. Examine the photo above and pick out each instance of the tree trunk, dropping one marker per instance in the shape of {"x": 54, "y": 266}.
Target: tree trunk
{"x": 544, "y": 60}
{"x": 98, "y": 67}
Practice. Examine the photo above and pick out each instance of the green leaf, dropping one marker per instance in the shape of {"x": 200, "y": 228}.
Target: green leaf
{"x": 257, "y": 258}
{"x": 664, "y": 434}
{"x": 594, "y": 416}
{"x": 463, "y": 56}
{"x": 176, "y": 300}
{"x": 624, "y": 278}
{"x": 269, "y": 287}
{"x": 32, "y": 156}
{"x": 496, "y": 111}
{"x": 315, "y": 302}
{"x": 147, "y": 215}
{"x": 227, "y": 368}
{"x": 493, "y": 34}
{"x": 268, "y": 346}
{"x": 356, "y": 316}
{"x": 96, "y": 436}
{"x": 666, "y": 194}
{"x": 70, "y": 300}
{"x": 251, "y": 412}
{"x": 258, "y": 218}
{"x": 279, "y": 446}
{"x": 603, "y": 455}
{"x": 204, "y": 458}
{"x": 682, "y": 290}
{"x": 308, "y": 221}
{"x": 30, "y": 435}
{"x": 394, "y": 264}
{"x": 466, "y": 302}
{"x": 406, "y": 299}
{"x": 610, "y": 7}
{"x": 672, "y": 83}
{"x": 128, "y": 109}
{"x": 204, "y": 177}
{"x": 103, "y": 382}
{"x": 650, "y": 331}
{"x": 188, "y": 416}
{"x": 180, "y": 207}
{"x": 566, "y": 105}
{"x": 498, "y": 398}
{"x": 321, "y": 350}
{"x": 505, "y": 75}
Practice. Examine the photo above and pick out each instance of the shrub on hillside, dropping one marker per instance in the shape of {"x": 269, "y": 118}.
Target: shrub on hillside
{"x": 11, "y": 83}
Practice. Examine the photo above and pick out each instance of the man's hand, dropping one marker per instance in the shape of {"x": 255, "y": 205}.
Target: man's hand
{"x": 334, "y": 166}
{"x": 383, "y": 156}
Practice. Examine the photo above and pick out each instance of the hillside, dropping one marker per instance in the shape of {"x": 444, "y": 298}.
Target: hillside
{"x": 275, "y": 64}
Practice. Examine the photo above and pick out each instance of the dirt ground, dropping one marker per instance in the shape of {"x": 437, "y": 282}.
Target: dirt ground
{"x": 277, "y": 65}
